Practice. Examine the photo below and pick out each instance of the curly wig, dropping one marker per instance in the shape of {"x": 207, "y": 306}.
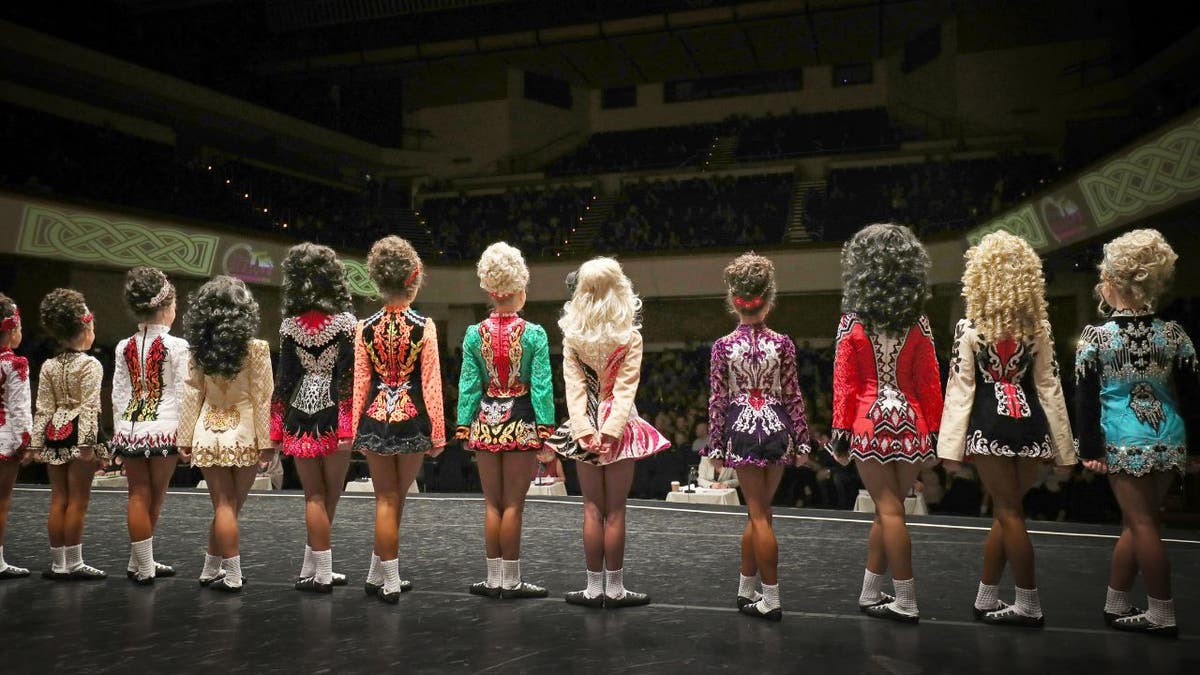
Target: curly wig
{"x": 63, "y": 312}
{"x": 502, "y": 270}
{"x": 1004, "y": 289}
{"x": 1140, "y": 265}
{"x": 750, "y": 279}
{"x": 314, "y": 279}
{"x": 884, "y": 277}
{"x": 7, "y": 310}
{"x": 147, "y": 290}
{"x": 221, "y": 319}
{"x": 603, "y": 312}
{"x": 395, "y": 267}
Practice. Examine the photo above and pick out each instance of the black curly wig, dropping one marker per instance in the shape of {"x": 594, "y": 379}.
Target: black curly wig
{"x": 395, "y": 267}
{"x": 314, "y": 279}
{"x": 8, "y": 307}
{"x": 147, "y": 290}
{"x": 62, "y": 312}
{"x": 885, "y": 273}
{"x": 221, "y": 319}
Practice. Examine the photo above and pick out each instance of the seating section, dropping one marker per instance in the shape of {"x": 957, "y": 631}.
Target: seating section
{"x": 639, "y": 149}
{"x": 537, "y": 221}
{"x": 796, "y": 135}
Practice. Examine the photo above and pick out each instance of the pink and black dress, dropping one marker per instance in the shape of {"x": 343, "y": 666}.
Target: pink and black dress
{"x": 887, "y": 393}
{"x": 314, "y": 386}
{"x": 755, "y": 409}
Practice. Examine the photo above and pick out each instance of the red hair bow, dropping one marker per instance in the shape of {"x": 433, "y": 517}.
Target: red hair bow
{"x": 11, "y": 322}
{"x": 87, "y": 318}
{"x": 412, "y": 277}
{"x": 748, "y": 303}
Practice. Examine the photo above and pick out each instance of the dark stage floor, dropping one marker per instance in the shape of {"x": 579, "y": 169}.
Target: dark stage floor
{"x": 685, "y": 557}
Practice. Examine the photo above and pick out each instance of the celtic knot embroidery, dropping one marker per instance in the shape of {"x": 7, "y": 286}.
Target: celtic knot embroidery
{"x": 1148, "y": 176}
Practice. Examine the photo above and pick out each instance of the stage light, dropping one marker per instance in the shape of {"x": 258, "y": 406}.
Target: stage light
{"x": 264, "y": 209}
{"x": 227, "y": 181}
{"x": 246, "y": 195}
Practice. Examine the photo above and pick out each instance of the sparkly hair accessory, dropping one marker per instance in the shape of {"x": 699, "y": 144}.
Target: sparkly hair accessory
{"x": 500, "y": 297}
{"x": 87, "y": 318}
{"x": 162, "y": 293}
{"x": 11, "y": 322}
{"x": 412, "y": 277}
{"x": 748, "y": 303}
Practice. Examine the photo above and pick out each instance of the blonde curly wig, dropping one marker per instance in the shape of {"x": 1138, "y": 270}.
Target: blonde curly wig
{"x": 1140, "y": 265}
{"x": 603, "y": 312}
{"x": 1004, "y": 288}
{"x": 502, "y": 270}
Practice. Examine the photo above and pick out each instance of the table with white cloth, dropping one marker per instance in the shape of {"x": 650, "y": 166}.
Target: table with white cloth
{"x": 115, "y": 481}
{"x": 705, "y": 496}
{"x": 260, "y": 483}
{"x": 365, "y": 485}
{"x": 555, "y": 489}
{"x": 913, "y": 506}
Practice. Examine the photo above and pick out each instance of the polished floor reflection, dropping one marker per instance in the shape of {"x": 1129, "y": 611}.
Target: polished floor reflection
{"x": 686, "y": 558}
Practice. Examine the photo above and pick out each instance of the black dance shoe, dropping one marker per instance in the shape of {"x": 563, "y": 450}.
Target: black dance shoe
{"x": 311, "y": 585}
{"x": 884, "y": 599}
{"x": 375, "y": 589}
{"x": 630, "y": 599}
{"x": 978, "y": 613}
{"x": 340, "y": 579}
{"x": 579, "y": 598}
{"x": 142, "y": 581}
{"x": 1110, "y": 617}
{"x": 219, "y": 575}
{"x": 481, "y": 588}
{"x": 885, "y": 611}
{"x": 56, "y": 576}
{"x": 1142, "y": 624}
{"x": 163, "y": 570}
{"x": 523, "y": 591}
{"x": 222, "y": 585}
{"x": 86, "y": 573}
{"x": 13, "y": 572}
{"x": 1009, "y": 616}
{"x": 754, "y": 609}
{"x": 392, "y": 598}
{"x": 742, "y": 601}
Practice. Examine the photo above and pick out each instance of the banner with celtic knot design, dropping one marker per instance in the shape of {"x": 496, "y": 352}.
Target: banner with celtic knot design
{"x": 1023, "y": 223}
{"x": 89, "y": 238}
{"x": 1151, "y": 175}
{"x": 358, "y": 279}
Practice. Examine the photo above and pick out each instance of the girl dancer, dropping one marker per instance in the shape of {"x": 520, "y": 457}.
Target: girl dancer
{"x": 1005, "y": 410}
{"x": 151, "y": 368}
{"x": 1136, "y": 408}
{"x": 66, "y": 429}
{"x": 887, "y": 397}
{"x": 310, "y": 409}
{"x": 602, "y": 361}
{"x": 505, "y": 411}
{"x": 397, "y": 401}
{"x": 15, "y": 418}
{"x": 756, "y": 421}
{"x": 224, "y": 422}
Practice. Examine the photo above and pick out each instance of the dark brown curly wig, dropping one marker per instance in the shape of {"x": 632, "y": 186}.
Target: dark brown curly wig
{"x": 314, "y": 279}
{"x": 751, "y": 282}
{"x": 392, "y": 263}
{"x": 221, "y": 319}
{"x": 62, "y": 312}
{"x": 143, "y": 285}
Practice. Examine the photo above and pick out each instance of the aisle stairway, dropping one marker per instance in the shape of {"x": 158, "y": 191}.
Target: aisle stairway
{"x": 721, "y": 153}
{"x": 797, "y": 232}
{"x": 589, "y": 226}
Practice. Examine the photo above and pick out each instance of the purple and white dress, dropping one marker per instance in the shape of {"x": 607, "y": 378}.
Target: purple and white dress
{"x": 755, "y": 411}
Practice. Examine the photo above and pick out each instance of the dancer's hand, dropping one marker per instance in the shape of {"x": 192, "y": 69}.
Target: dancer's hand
{"x": 951, "y": 465}
{"x": 842, "y": 458}
{"x": 588, "y": 442}
{"x": 1096, "y": 465}
{"x": 265, "y": 455}
{"x": 344, "y": 444}
{"x": 435, "y": 450}
{"x": 608, "y": 444}
{"x": 185, "y": 454}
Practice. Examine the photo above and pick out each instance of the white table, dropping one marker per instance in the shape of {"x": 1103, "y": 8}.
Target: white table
{"x": 260, "y": 483}
{"x": 913, "y": 506}
{"x": 705, "y": 496}
{"x": 117, "y": 481}
{"x": 555, "y": 489}
{"x": 365, "y": 485}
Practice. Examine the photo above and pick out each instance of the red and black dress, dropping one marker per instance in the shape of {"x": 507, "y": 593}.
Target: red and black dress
{"x": 314, "y": 385}
{"x": 887, "y": 393}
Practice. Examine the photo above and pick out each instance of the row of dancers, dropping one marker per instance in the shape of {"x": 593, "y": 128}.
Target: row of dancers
{"x": 374, "y": 386}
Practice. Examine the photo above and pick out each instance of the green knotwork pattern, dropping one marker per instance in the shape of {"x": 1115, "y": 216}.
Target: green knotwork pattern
{"x": 359, "y": 281}
{"x": 1023, "y": 223}
{"x": 1149, "y": 176}
{"x": 90, "y": 238}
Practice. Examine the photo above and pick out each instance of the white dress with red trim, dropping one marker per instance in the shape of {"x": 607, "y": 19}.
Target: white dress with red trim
{"x": 16, "y": 416}
{"x": 149, "y": 372}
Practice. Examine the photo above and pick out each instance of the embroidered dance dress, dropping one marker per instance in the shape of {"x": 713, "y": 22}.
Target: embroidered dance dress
{"x": 397, "y": 384}
{"x": 1004, "y": 399}
{"x": 16, "y": 419}
{"x": 314, "y": 388}
{"x": 148, "y": 379}
{"x": 67, "y": 420}
{"x": 755, "y": 409}
{"x": 505, "y": 392}
{"x": 600, "y": 397}
{"x": 1136, "y": 394}
{"x": 887, "y": 393}
{"x": 226, "y": 421}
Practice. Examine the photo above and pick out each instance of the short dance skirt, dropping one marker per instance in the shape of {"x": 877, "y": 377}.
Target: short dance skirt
{"x": 639, "y": 439}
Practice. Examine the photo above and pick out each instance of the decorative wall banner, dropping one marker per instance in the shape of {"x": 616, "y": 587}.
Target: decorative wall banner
{"x": 360, "y": 282}
{"x": 1160, "y": 172}
{"x": 248, "y": 264}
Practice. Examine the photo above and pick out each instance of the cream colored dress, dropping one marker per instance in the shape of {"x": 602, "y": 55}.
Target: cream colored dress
{"x": 227, "y": 421}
